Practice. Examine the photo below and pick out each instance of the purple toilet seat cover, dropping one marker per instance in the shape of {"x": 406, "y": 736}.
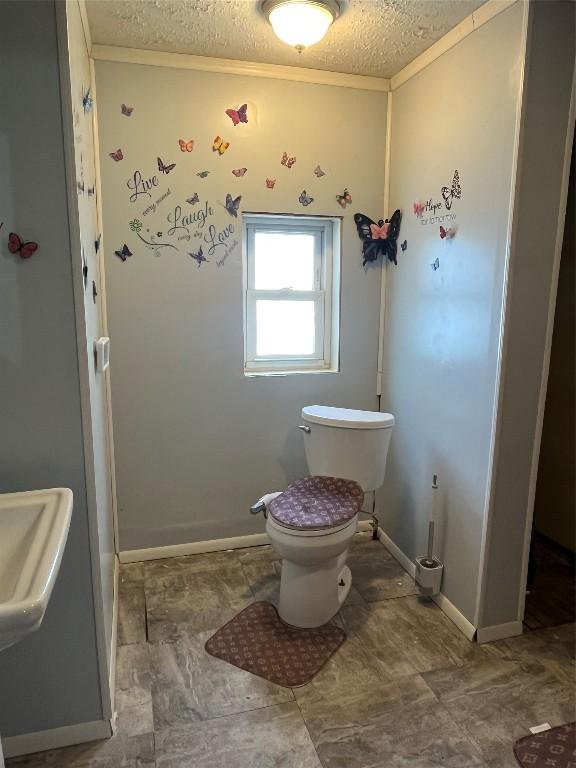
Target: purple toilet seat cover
{"x": 317, "y": 502}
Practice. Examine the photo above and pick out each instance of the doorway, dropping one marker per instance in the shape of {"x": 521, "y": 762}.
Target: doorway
{"x": 551, "y": 593}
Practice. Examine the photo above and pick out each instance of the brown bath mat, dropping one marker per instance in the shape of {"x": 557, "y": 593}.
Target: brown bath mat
{"x": 258, "y": 641}
{"x": 555, "y": 747}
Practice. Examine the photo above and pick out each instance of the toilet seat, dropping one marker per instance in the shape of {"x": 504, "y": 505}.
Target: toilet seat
{"x": 318, "y": 504}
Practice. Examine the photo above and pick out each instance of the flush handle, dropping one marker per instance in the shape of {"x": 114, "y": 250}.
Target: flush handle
{"x": 305, "y": 428}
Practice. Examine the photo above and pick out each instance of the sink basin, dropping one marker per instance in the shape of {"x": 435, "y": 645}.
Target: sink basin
{"x": 33, "y": 531}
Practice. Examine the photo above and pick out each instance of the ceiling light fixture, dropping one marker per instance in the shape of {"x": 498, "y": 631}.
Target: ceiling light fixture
{"x": 301, "y": 23}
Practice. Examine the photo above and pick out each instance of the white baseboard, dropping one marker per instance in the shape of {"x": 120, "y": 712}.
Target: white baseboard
{"x": 499, "y": 631}
{"x": 40, "y": 741}
{"x": 114, "y": 638}
{"x": 202, "y": 547}
{"x": 448, "y": 608}
{"x": 408, "y": 565}
{"x": 466, "y": 627}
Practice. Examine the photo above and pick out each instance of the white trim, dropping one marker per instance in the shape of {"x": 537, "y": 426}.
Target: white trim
{"x": 104, "y": 305}
{"x": 55, "y": 738}
{"x": 114, "y": 636}
{"x": 502, "y": 343}
{"x": 202, "y": 547}
{"x": 447, "y": 608}
{"x": 453, "y": 37}
{"x": 74, "y": 239}
{"x": 85, "y": 25}
{"x": 408, "y": 565}
{"x": 499, "y": 632}
{"x": 234, "y": 67}
{"x": 384, "y": 271}
{"x": 547, "y": 351}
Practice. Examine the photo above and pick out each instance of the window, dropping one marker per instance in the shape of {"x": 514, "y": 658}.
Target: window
{"x": 292, "y": 284}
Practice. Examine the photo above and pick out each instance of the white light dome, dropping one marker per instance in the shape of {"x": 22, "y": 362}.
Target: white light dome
{"x": 301, "y": 23}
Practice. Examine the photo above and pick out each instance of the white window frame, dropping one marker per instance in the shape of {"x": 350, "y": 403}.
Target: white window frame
{"x": 326, "y": 293}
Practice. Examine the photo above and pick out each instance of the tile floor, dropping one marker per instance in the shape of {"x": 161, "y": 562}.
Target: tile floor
{"x": 406, "y": 690}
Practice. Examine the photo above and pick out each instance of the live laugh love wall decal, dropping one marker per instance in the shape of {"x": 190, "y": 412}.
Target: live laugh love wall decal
{"x": 170, "y": 216}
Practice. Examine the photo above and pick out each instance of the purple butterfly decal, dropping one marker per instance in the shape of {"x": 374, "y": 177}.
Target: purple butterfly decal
{"x": 238, "y": 115}
{"x": 199, "y": 256}
{"x": 233, "y": 204}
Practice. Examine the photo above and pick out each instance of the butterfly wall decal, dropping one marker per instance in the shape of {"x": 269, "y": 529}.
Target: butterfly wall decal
{"x": 219, "y": 145}
{"x": 123, "y": 252}
{"x": 186, "y": 146}
{"x": 435, "y": 264}
{"x": 404, "y": 245}
{"x": 319, "y": 172}
{"x": 117, "y": 156}
{"x": 238, "y": 115}
{"x": 202, "y": 174}
{"x": 199, "y": 256}
{"x": 233, "y": 204}
{"x": 239, "y": 172}
{"x": 91, "y": 190}
{"x": 344, "y": 199}
{"x": 447, "y": 234}
{"x": 385, "y": 243}
{"x": 94, "y": 292}
{"x": 305, "y": 199}
{"x": 270, "y": 183}
{"x": 84, "y": 270}
{"x": 194, "y": 199}
{"x": 87, "y": 100}
{"x": 418, "y": 208}
{"x": 17, "y": 245}
{"x": 163, "y": 167}
{"x": 452, "y": 193}
{"x": 97, "y": 243}
{"x": 287, "y": 161}
{"x": 127, "y": 111}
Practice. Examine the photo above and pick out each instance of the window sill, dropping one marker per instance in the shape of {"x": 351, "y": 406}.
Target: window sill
{"x": 259, "y": 374}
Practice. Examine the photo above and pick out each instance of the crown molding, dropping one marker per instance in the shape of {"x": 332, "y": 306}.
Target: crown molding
{"x": 484, "y": 13}
{"x": 234, "y": 67}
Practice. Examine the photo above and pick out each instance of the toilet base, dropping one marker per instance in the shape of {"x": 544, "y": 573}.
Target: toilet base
{"x": 311, "y": 594}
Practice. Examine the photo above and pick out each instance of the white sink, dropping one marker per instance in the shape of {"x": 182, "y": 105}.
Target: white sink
{"x": 33, "y": 531}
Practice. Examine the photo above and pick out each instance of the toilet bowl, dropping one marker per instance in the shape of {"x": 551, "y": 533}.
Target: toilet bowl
{"x": 312, "y": 523}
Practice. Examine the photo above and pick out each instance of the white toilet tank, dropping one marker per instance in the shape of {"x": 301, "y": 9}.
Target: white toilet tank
{"x": 342, "y": 442}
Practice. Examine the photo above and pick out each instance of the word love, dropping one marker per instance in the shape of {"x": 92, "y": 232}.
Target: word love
{"x": 140, "y": 186}
{"x": 217, "y": 239}
{"x": 194, "y": 218}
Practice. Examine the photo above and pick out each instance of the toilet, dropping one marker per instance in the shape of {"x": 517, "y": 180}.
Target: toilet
{"x": 312, "y": 522}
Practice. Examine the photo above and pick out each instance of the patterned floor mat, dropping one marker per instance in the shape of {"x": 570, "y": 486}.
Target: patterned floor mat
{"x": 258, "y": 641}
{"x": 555, "y": 748}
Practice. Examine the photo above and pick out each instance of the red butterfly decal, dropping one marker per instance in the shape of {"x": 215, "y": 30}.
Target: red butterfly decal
{"x": 117, "y": 155}
{"x": 238, "y": 115}
{"x": 239, "y": 171}
{"x": 186, "y": 146}
{"x": 15, "y": 245}
{"x": 447, "y": 233}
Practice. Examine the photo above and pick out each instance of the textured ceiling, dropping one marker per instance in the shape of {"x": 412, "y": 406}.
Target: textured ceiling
{"x": 371, "y": 37}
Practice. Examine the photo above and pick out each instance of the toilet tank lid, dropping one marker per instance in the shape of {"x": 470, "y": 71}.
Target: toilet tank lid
{"x": 348, "y": 418}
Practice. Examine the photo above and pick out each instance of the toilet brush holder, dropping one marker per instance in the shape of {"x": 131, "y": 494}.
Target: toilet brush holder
{"x": 429, "y": 574}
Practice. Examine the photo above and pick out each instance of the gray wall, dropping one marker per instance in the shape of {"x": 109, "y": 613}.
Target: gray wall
{"x": 196, "y": 442}
{"x": 51, "y": 678}
{"x": 442, "y": 327}
{"x": 546, "y": 131}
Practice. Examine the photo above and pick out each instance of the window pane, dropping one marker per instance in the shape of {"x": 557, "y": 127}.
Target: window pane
{"x": 284, "y": 327}
{"x": 283, "y": 260}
